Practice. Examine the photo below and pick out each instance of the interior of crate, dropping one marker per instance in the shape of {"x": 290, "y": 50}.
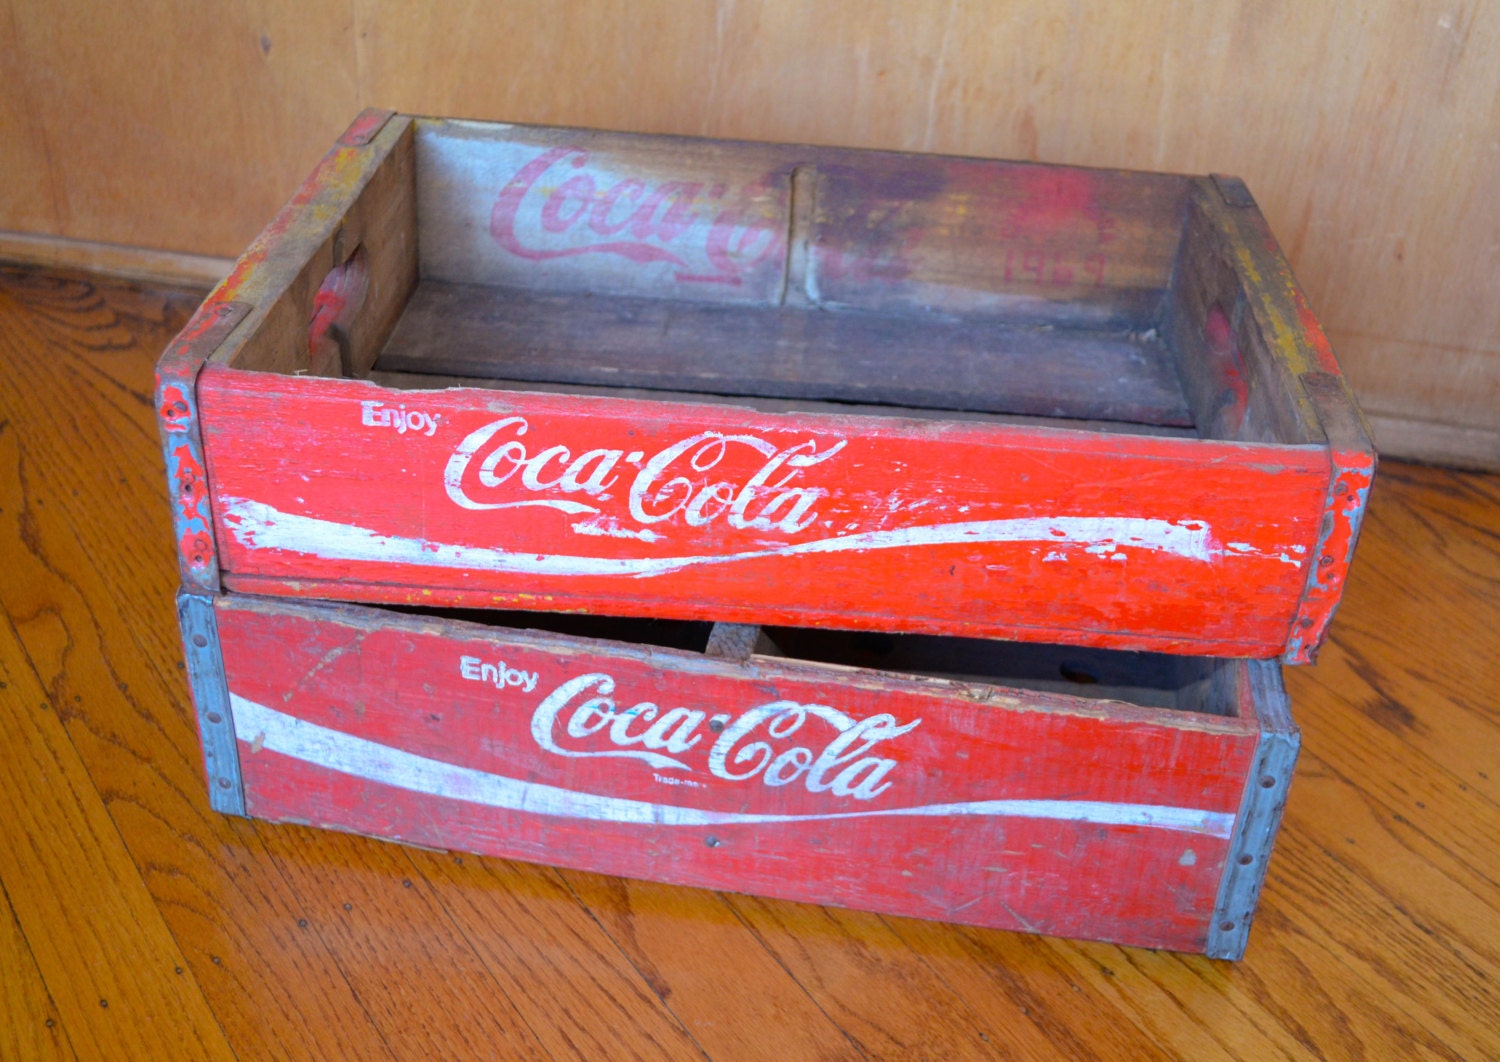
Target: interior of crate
{"x": 1155, "y": 680}
{"x": 786, "y": 277}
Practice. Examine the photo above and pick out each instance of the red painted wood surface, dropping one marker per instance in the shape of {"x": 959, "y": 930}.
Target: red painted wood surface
{"x": 637, "y": 508}
{"x": 182, "y": 442}
{"x": 918, "y": 797}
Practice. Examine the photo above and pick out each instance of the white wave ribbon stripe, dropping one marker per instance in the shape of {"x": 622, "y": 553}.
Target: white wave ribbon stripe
{"x": 361, "y": 758}
{"x": 259, "y": 526}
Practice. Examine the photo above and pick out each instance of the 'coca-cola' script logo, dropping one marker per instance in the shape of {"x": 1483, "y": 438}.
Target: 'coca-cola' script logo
{"x": 775, "y": 744}
{"x": 745, "y": 480}
{"x": 556, "y": 206}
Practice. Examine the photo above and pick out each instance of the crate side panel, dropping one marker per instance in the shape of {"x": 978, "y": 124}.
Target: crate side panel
{"x": 568, "y": 209}
{"x": 631, "y": 508}
{"x": 739, "y": 222}
{"x": 939, "y": 363}
{"x": 875, "y": 793}
{"x": 951, "y": 236}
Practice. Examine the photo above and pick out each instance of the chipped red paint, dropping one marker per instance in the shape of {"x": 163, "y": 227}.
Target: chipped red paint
{"x": 1312, "y": 331}
{"x": 1348, "y": 499}
{"x": 605, "y": 505}
{"x": 365, "y": 127}
{"x": 188, "y": 479}
{"x": 972, "y": 804}
{"x": 182, "y": 445}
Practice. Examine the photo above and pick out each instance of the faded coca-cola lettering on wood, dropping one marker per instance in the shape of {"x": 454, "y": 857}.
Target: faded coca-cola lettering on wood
{"x": 560, "y": 204}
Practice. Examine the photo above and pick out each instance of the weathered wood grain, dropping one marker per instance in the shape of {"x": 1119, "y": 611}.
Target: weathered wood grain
{"x": 774, "y": 352}
{"x": 1394, "y": 805}
{"x": 548, "y": 208}
{"x": 411, "y": 381}
{"x": 356, "y": 205}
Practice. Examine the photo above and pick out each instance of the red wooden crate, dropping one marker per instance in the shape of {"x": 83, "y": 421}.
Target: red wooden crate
{"x": 508, "y": 367}
{"x": 969, "y": 781}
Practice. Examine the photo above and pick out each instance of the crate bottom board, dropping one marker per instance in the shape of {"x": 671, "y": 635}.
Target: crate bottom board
{"x": 949, "y": 799}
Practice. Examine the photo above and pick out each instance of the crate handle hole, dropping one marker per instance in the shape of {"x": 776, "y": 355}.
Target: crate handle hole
{"x": 335, "y": 306}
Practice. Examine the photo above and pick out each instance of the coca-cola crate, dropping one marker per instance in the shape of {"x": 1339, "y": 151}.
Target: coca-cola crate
{"x": 498, "y": 366}
{"x": 1127, "y": 797}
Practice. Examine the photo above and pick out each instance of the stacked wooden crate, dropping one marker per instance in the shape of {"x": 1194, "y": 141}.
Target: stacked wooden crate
{"x": 908, "y": 533}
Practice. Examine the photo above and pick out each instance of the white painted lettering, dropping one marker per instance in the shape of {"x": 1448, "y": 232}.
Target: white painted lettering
{"x": 744, "y": 479}
{"x": 765, "y": 742}
{"x": 497, "y": 674}
{"x": 374, "y": 414}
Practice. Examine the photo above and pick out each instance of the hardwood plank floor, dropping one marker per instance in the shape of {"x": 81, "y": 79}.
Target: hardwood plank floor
{"x": 1378, "y": 936}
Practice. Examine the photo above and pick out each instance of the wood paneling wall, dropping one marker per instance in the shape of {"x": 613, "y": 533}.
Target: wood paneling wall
{"x": 1369, "y": 132}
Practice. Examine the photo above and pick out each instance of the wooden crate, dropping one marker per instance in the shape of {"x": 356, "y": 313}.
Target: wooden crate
{"x": 1127, "y": 797}
{"x": 508, "y": 367}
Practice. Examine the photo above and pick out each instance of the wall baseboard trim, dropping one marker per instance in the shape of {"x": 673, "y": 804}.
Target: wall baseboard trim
{"x": 1454, "y": 445}
{"x": 142, "y": 264}
{"x": 1396, "y": 437}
